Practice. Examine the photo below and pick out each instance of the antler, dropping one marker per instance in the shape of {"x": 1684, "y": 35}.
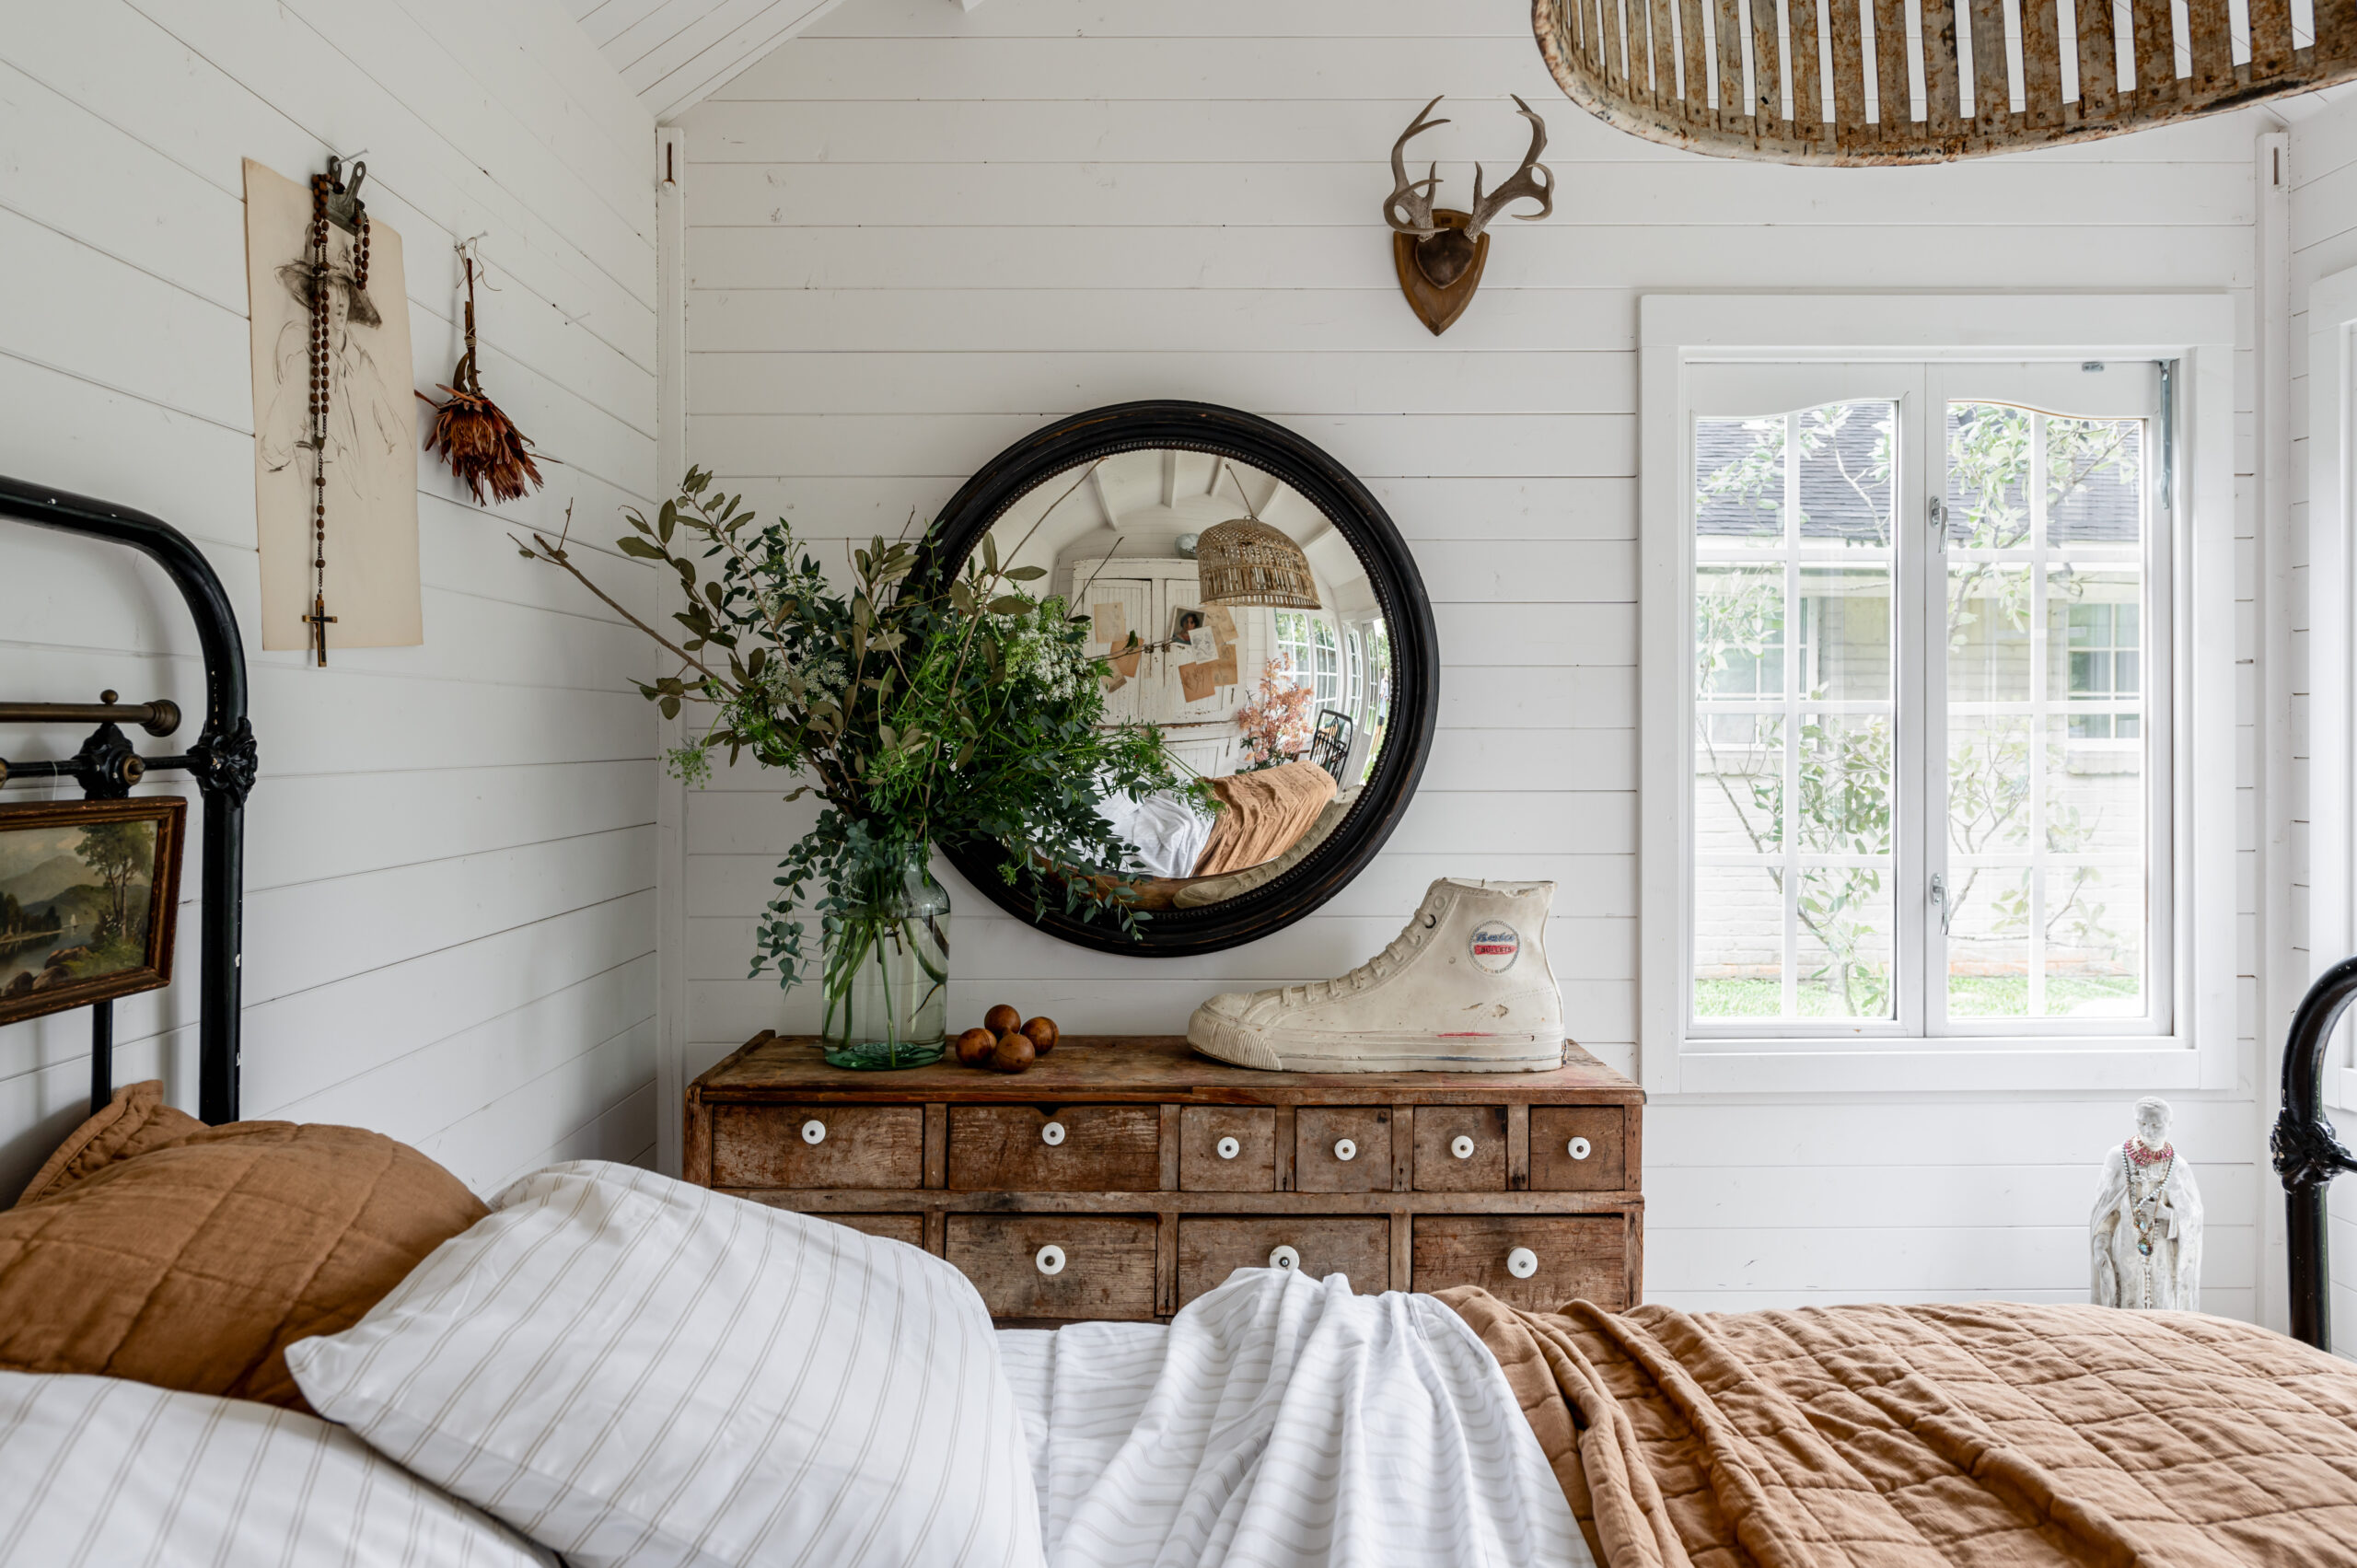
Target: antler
{"x": 1413, "y": 198}
{"x": 1521, "y": 185}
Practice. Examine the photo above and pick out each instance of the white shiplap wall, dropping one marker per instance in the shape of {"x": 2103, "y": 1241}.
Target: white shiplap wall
{"x": 917, "y": 233}
{"x": 671, "y": 52}
{"x": 449, "y": 892}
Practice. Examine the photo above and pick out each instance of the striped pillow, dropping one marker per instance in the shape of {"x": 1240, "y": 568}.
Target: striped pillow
{"x": 632, "y": 1370}
{"x": 101, "y": 1470}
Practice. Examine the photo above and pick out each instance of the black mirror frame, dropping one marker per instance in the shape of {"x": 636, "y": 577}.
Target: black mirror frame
{"x": 1391, "y": 571}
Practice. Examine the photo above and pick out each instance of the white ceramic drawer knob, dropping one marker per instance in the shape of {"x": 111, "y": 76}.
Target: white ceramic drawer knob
{"x": 814, "y": 1130}
{"x": 1229, "y": 1149}
{"x": 1051, "y": 1259}
{"x": 1052, "y": 1133}
{"x": 1578, "y": 1148}
{"x": 1284, "y": 1257}
{"x": 1461, "y": 1146}
{"x": 1522, "y": 1262}
{"x": 1344, "y": 1150}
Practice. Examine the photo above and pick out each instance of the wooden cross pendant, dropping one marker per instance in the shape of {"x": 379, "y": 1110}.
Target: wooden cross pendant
{"x": 320, "y": 621}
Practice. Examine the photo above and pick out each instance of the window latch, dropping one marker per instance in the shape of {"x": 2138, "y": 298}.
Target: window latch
{"x": 1936, "y": 512}
{"x": 1940, "y": 897}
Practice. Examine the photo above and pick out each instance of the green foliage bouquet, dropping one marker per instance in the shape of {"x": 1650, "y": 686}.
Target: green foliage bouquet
{"x": 929, "y": 704}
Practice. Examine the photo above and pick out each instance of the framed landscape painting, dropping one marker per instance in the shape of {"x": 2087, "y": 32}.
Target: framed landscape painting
{"x": 88, "y": 889}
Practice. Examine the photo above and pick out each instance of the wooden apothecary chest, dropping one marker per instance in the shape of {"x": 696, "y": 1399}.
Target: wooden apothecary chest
{"x": 1125, "y": 1175}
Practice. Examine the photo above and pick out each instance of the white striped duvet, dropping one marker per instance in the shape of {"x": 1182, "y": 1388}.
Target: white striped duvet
{"x": 97, "y": 1472}
{"x": 1284, "y": 1423}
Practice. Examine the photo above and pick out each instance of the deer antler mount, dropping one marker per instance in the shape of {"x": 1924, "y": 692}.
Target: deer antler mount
{"x": 1440, "y": 251}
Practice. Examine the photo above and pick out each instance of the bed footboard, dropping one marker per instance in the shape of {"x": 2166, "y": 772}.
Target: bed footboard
{"x": 2308, "y": 1154}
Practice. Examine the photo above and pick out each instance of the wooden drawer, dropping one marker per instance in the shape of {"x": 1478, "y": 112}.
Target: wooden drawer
{"x": 1318, "y": 1164}
{"x": 1227, "y": 1149}
{"x": 1211, "y": 1250}
{"x": 1478, "y": 1163}
{"x": 1578, "y": 1148}
{"x": 855, "y": 1145}
{"x": 892, "y": 1227}
{"x": 1106, "y": 1269}
{"x": 1586, "y": 1257}
{"x": 1076, "y": 1148}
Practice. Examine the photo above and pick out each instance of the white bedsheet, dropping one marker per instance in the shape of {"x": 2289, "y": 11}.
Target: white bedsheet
{"x": 1284, "y": 1423}
{"x": 1166, "y": 831}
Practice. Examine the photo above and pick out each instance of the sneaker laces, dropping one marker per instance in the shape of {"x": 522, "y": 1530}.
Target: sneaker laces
{"x": 1384, "y": 964}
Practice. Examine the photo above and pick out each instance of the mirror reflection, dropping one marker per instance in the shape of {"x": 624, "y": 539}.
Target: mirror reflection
{"x": 1237, "y": 621}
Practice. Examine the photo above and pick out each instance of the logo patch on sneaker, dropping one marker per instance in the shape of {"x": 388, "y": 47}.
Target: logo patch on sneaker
{"x": 1495, "y": 947}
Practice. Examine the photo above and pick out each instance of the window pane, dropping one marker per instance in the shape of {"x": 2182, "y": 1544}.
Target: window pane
{"x": 2094, "y": 481}
{"x": 1988, "y": 475}
{"x": 1740, "y": 475}
{"x": 1794, "y": 906}
{"x": 1739, "y": 785}
{"x": 1988, "y": 946}
{"x": 1988, "y": 632}
{"x": 1739, "y": 631}
{"x": 1845, "y": 634}
{"x": 1845, "y": 473}
{"x": 2047, "y": 818}
{"x": 1845, "y": 943}
{"x": 1989, "y": 788}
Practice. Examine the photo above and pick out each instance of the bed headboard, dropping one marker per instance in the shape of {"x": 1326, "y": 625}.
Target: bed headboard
{"x": 221, "y": 761}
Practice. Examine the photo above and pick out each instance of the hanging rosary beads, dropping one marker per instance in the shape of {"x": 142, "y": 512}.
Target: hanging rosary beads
{"x": 325, "y": 188}
{"x": 2145, "y": 1204}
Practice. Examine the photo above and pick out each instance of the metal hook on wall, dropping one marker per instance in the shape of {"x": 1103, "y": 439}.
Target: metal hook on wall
{"x": 345, "y": 210}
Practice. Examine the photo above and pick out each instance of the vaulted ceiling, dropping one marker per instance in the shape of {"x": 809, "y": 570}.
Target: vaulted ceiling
{"x": 674, "y": 53}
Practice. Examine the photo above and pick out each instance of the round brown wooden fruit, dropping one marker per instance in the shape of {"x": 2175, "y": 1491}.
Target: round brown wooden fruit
{"x": 1014, "y": 1054}
{"x": 974, "y": 1047}
{"x": 1002, "y": 1020}
{"x": 1043, "y": 1034}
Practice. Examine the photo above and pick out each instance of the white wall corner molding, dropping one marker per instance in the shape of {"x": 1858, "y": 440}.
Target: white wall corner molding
{"x": 2333, "y": 658}
{"x": 670, "y": 793}
{"x": 1964, "y": 795}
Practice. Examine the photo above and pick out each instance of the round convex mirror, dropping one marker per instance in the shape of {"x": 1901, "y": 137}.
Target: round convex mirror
{"x": 1242, "y": 597}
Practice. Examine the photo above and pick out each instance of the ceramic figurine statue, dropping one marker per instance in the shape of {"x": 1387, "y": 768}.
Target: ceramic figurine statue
{"x": 2145, "y": 1234}
{"x": 1465, "y": 988}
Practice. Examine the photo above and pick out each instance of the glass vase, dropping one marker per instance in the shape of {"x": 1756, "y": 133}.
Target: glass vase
{"x": 886, "y": 981}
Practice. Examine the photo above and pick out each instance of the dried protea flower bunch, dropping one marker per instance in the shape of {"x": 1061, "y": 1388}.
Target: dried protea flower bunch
{"x": 480, "y": 444}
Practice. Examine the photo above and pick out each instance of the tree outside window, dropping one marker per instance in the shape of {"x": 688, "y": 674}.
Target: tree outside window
{"x": 1796, "y": 794}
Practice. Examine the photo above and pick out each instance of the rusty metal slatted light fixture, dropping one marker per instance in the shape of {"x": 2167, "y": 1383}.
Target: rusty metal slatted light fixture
{"x": 1680, "y": 76}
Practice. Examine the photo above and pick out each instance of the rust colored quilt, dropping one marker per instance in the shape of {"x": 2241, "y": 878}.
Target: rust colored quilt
{"x": 1265, "y": 812}
{"x": 1988, "y": 1435}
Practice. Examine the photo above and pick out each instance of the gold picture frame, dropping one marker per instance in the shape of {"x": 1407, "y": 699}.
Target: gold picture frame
{"x": 89, "y": 896}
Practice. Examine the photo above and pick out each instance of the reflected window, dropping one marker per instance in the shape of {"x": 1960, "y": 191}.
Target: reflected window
{"x": 1307, "y": 644}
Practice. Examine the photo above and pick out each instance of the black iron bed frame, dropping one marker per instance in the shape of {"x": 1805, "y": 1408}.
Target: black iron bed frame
{"x": 221, "y": 762}
{"x": 2307, "y": 1153}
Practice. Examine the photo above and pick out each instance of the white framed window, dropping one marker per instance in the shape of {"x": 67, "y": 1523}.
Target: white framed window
{"x": 1308, "y": 640}
{"x": 1353, "y": 674}
{"x": 1924, "y": 647}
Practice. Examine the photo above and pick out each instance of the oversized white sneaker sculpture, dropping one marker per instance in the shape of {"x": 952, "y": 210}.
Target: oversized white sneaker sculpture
{"x": 1465, "y": 988}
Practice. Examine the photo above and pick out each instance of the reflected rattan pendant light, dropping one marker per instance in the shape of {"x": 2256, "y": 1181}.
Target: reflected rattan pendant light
{"x": 1246, "y": 562}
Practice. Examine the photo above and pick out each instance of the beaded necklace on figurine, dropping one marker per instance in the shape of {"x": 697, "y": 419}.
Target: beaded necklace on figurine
{"x": 2144, "y": 1202}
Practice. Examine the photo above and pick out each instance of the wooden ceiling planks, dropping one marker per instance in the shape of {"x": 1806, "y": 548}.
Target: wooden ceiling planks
{"x": 1664, "y": 70}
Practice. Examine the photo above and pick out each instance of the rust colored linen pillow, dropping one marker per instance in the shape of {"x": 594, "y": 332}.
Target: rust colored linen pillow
{"x": 154, "y": 1247}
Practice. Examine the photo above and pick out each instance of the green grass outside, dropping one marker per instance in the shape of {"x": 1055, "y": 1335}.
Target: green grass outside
{"x": 1970, "y": 996}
